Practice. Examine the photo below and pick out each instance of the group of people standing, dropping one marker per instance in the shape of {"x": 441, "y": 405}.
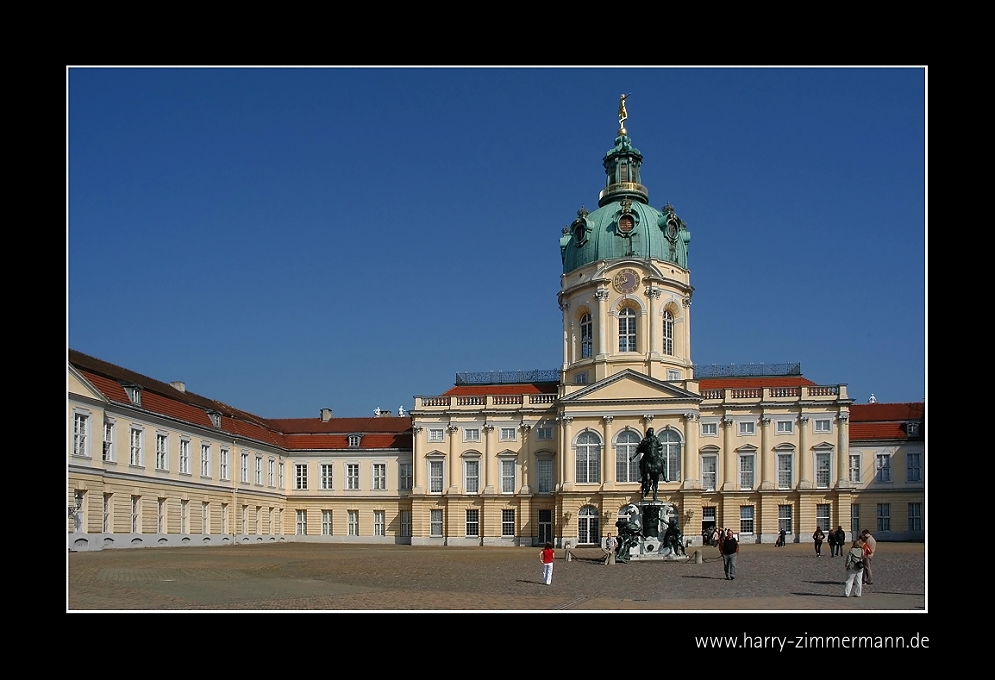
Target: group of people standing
{"x": 858, "y": 564}
{"x": 836, "y": 541}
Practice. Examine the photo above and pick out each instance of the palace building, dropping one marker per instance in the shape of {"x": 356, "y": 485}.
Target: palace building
{"x": 511, "y": 458}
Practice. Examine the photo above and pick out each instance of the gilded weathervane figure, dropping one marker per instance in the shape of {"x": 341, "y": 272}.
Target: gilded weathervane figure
{"x": 623, "y": 114}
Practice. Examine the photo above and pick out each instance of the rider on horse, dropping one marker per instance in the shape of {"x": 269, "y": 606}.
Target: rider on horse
{"x": 652, "y": 464}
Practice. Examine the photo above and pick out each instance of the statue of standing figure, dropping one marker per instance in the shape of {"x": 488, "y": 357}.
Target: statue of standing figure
{"x": 652, "y": 464}
{"x": 623, "y": 113}
{"x": 674, "y": 539}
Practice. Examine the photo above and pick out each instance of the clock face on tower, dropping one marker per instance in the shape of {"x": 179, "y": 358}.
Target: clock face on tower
{"x": 626, "y": 281}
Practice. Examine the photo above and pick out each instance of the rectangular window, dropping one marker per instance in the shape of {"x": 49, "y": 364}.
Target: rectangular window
{"x": 822, "y": 519}
{"x": 245, "y": 519}
{"x": 436, "y": 435}
{"x": 205, "y": 460}
{"x": 184, "y": 517}
{"x": 883, "y": 465}
{"x": 544, "y": 475}
{"x": 709, "y": 472}
{"x": 472, "y": 484}
{"x": 353, "y": 522}
{"x": 379, "y": 476}
{"x": 884, "y": 516}
{"x": 785, "y": 427}
{"x": 708, "y": 514}
{"x": 302, "y": 522}
{"x": 107, "y": 453}
{"x": 379, "y": 523}
{"x": 784, "y": 523}
{"x": 507, "y": 523}
{"x": 281, "y": 475}
{"x": 823, "y": 426}
{"x": 747, "y": 428}
{"x": 915, "y": 516}
{"x": 507, "y": 434}
{"x": 580, "y": 378}
{"x": 709, "y": 429}
{"x": 404, "y": 476}
{"x": 326, "y": 522}
{"x": 205, "y": 518}
{"x": 823, "y": 461}
{"x": 184, "y": 457}
{"x": 160, "y": 523}
{"x": 855, "y": 467}
{"x": 224, "y": 518}
{"x": 258, "y": 515}
{"x": 224, "y": 464}
{"x": 435, "y": 522}
{"x": 161, "y": 452}
{"x": 259, "y": 470}
{"x": 136, "y": 514}
{"x": 326, "y": 476}
{"x": 507, "y": 476}
{"x": 746, "y": 519}
{"x": 300, "y": 476}
{"x": 746, "y": 471}
{"x": 354, "y": 441}
{"x": 472, "y": 522}
{"x": 854, "y": 519}
{"x": 913, "y": 467}
{"x": 672, "y": 374}
{"x": 435, "y": 476}
{"x": 271, "y": 472}
{"x": 244, "y": 467}
{"x": 544, "y": 433}
{"x": 352, "y": 476}
{"x": 405, "y": 523}
{"x": 107, "y": 520}
{"x": 785, "y": 473}
{"x": 136, "y": 446}
{"x": 81, "y": 423}
{"x": 471, "y": 434}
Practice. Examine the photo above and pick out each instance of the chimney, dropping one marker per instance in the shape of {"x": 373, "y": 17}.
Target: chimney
{"x": 325, "y": 415}
{"x": 181, "y": 386}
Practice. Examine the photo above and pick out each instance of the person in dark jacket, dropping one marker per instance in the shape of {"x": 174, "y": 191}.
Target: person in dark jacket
{"x": 840, "y": 540}
{"x": 819, "y": 536}
{"x": 729, "y": 549}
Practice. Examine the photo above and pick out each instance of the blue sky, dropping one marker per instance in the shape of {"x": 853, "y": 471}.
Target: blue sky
{"x": 290, "y": 239}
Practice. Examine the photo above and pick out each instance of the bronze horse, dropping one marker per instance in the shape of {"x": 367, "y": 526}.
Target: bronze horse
{"x": 652, "y": 464}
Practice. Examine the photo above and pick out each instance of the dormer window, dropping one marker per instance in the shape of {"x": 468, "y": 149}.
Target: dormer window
{"x": 134, "y": 393}
{"x": 354, "y": 441}
{"x": 215, "y": 418}
{"x": 912, "y": 429}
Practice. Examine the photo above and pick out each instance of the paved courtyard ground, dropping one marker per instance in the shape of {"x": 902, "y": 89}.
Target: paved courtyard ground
{"x": 302, "y": 576}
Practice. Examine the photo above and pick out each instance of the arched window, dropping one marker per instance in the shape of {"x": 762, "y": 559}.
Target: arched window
{"x": 668, "y": 333}
{"x": 626, "y": 470}
{"x": 671, "y": 453}
{"x": 586, "y": 342}
{"x": 587, "y": 526}
{"x": 627, "y": 330}
{"x": 588, "y": 458}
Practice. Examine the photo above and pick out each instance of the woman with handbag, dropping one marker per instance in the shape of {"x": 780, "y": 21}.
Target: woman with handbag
{"x": 854, "y": 565}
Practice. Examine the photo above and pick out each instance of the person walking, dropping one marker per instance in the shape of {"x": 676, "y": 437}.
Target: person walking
{"x": 870, "y": 547}
{"x": 546, "y": 557}
{"x": 854, "y": 565}
{"x": 729, "y": 547}
{"x": 611, "y": 543}
{"x": 840, "y": 540}
{"x": 818, "y": 537}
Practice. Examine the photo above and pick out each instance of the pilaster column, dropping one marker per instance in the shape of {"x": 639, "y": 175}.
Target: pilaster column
{"x": 525, "y": 456}
{"x": 454, "y": 462}
{"x": 687, "y": 329}
{"x": 804, "y": 455}
{"x": 489, "y": 465}
{"x": 566, "y": 457}
{"x": 607, "y": 479}
{"x": 565, "y": 308}
{"x": 843, "y": 447}
{"x": 730, "y": 483}
{"x": 603, "y": 321}
{"x": 653, "y": 294}
{"x": 767, "y": 469}
{"x": 417, "y": 459}
{"x": 692, "y": 479}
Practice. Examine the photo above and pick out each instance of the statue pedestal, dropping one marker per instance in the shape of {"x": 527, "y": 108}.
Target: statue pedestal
{"x": 651, "y": 519}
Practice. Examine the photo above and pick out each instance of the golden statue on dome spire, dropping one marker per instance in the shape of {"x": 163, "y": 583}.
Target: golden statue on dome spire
{"x": 623, "y": 114}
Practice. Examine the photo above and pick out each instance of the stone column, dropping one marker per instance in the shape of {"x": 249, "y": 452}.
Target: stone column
{"x": 843, "y": 445}
{"x": 489, "y": 464}
{"x": 525, "y": 456}
{"x": 608, "y": 456}
{"x": 417, "y": 459}
{"x": 730, "y": 483}
{"x": 687, "y": 330}
{"x": 767, "y": 467}
{"x": 566, "y": 459}
{"x": 692, "y": 478}
{"x": 565, "y": 308}
{"x": 653, "y": 294}
{"x": 603, "y": 321}
{"x": 453, "y": 463}
{"x": 804, "y": 455}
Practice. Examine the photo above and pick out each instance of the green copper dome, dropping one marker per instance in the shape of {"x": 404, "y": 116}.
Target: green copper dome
{"x": 624, "y": 225}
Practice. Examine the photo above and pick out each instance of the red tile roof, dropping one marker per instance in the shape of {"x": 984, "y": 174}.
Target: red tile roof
{"x": 522, "y": 388}
{"x": 875, "y": 431}
{"x": 770, "y": 381}
{"x": 342, "y": 425}
{"x": 882, "y": 412}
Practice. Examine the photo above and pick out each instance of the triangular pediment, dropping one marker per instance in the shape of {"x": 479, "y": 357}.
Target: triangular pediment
{"x": 630, "y": 385}
{"x": 78, "y": 384}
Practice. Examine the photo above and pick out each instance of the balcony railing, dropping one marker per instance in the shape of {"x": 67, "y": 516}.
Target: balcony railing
{"x": 509, "y": 400}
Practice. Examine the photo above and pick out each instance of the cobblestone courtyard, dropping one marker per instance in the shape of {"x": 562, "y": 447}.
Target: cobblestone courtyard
{"x": 300, "y": 576}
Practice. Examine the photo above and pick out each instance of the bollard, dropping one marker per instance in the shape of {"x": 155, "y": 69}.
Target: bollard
{"x": 697, "y": 557}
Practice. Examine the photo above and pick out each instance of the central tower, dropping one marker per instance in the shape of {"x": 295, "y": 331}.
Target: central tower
{"x": 625, "y": 292}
